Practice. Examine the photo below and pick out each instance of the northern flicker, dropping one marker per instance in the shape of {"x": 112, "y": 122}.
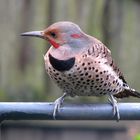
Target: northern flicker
{"x": 81, "y": 65}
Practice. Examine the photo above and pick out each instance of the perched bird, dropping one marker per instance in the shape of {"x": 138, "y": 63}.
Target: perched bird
{"x": 81, "y": 65}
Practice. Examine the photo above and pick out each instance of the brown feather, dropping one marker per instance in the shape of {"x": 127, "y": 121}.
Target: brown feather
{"x": 102, "y": 51}
{"x": 127, "y": 93}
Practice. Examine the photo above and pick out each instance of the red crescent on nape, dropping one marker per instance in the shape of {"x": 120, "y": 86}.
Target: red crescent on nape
{"x": 76, "y": 36}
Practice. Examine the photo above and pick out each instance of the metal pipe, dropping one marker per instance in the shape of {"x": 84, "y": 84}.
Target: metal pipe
{"x": 44, "y": 111}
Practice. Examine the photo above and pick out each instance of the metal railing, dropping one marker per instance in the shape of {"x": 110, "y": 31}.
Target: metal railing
{"x": 44, "y": 111}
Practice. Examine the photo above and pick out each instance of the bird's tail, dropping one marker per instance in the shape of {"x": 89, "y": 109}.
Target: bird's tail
{"x": 128, "y": 92}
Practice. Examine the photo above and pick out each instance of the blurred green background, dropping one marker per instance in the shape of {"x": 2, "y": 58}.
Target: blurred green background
{"x": 22, "y": 74}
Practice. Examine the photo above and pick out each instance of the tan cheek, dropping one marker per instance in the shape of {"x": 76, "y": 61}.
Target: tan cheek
{"x": 44, "y": 35}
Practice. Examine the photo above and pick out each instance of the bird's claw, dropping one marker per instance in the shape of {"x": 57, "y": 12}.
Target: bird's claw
{"x": 58, "y": 102}
{"x": 116, "y": 111}
{"x": 115, "y": 107}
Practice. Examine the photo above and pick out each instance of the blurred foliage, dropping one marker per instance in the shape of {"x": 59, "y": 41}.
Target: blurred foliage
{"x": 22, "y": 73}
{"x": 137, "y": 137}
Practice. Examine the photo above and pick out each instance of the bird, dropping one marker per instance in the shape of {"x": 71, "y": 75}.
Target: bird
{"x": 81, "y": 65}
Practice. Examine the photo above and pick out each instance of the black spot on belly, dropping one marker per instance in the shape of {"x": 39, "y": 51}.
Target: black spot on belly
{"x": 61, "y": 65}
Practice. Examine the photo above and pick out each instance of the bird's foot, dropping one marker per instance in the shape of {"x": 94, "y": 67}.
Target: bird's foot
{"x": 115, "y": 106}
{"x": 58, "y": 102}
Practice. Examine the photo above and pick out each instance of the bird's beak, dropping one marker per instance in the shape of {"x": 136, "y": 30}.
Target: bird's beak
{"x": 34, "y": 34}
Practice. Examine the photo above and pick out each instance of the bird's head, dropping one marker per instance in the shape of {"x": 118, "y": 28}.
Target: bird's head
{"x": 61, "y": 33}
{"x": 67, "y": 40}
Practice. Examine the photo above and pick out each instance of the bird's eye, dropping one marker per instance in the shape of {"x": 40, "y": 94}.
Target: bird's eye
{"x": 53, "y": 34}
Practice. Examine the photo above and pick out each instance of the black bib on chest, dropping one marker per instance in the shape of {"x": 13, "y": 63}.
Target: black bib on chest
{"x": 61, "y": 65}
